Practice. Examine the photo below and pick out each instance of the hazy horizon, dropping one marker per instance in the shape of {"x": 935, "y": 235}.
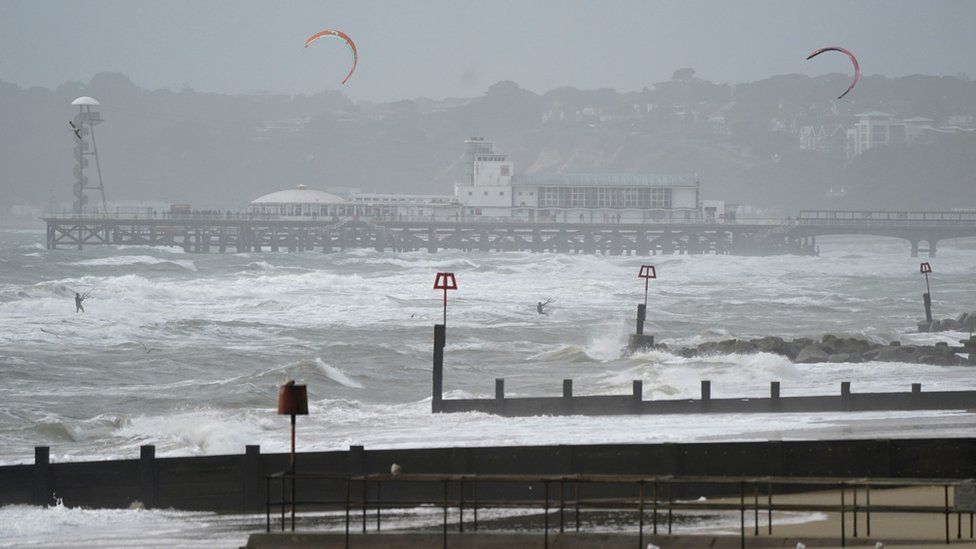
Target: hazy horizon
{"x": 445, "y": 49}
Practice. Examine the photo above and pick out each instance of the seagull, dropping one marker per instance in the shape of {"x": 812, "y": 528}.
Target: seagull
{"x": 148, "y": 348}
{"x": 395, "y": 470}
{"x": 75, "y": 129}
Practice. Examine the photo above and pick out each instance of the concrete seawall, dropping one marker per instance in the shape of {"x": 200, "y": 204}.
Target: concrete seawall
{"x": 236, "y": 483}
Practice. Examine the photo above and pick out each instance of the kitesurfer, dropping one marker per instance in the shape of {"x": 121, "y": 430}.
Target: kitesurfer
{"x": 78, "y": 300}
{"x": 344, "y": 37}
{"x": 857, "y": 66}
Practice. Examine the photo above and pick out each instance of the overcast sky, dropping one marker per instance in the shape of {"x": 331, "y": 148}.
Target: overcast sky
{"x": 440, "y": 48}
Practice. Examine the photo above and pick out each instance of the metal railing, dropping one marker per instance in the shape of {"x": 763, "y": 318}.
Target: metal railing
{"x": 652, "y": 495}
{"x": 460, "y": 220}
{"x": 887, "y": 218}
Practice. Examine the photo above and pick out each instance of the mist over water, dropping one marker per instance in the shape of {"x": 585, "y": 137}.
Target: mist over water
{"x": 223, "y": 331}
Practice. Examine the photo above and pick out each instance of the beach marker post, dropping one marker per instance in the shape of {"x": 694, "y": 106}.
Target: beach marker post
{"x": 445, "y": 281}
{"x": 292, "y": 401}
{"x": 647, "y": 272}
{"x": 925, "y": 269}
{"x": 639, "y": 341}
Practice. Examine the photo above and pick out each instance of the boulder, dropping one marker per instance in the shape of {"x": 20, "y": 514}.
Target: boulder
{"x": 743, "y": 347}
{"x": 892, "y": 354}
{"x": 811, "y": 353}
{"x": 772, "y": 344}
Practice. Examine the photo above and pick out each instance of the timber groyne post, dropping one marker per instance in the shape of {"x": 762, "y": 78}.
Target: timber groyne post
{"x": 437, "y": 388}
{"x": 147, "y": 475}
{"x": 42, "y": 476}
{"x": 638, "y": 340}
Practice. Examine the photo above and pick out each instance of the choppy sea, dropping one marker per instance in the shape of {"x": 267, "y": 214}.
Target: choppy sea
{"x": 186, "y": 351}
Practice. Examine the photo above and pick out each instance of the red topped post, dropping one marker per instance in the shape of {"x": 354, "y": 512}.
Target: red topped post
{"x": 925, "y": 269}
{"x": 647, "y": 272}
{"x": 445, "y": 281}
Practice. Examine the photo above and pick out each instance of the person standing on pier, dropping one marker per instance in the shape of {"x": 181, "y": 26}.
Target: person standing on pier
{"x": 78, "y": 300}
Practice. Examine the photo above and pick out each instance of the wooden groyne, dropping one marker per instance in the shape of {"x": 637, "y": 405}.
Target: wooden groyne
{"x": 235, "y": 483}
{"x": 593, "y": 405}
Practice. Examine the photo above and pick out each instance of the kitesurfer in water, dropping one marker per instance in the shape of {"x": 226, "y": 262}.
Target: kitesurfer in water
{"x": 78, "y": 300}
{"x": 540, "y": 307}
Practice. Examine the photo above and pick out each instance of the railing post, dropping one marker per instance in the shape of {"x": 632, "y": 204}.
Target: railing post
{"x": 640, "y": 520}
{"x": 742, "y": 515}
{"x": 843, "y": 518}
{"x": 946, "y": 487}
{"x": 348, "y": 505}
{"x": 545, "y": 485}
{"x": 654, "y": 512}
{"x": 445, "y": 515}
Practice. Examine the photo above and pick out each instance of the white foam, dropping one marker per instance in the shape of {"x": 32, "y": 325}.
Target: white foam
{"x": 123, "y": 260}
{"x": 337, "y": 375}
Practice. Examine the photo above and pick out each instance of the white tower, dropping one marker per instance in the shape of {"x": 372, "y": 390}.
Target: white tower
{"x": 83, "y": 129}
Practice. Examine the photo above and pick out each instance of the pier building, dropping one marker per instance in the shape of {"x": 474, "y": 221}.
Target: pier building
{"x": 301, "y": 202}
{"x": 492, "y": 188}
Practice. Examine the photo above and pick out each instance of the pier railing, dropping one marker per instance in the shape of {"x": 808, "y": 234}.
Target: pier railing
{"x": 887, "y": 218}
{"x": 151, "y": 215}
{"x": 649, "y": 499}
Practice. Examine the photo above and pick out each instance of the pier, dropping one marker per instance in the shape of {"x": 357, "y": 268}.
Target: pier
{"x": 248, "y": 233}
{"x": 205, "y": 233}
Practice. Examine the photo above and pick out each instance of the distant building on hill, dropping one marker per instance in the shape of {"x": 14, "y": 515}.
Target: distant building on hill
{"x": 879, "y": 129}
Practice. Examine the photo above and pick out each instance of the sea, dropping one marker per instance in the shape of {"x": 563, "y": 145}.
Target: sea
{"x": 186, "y": 351}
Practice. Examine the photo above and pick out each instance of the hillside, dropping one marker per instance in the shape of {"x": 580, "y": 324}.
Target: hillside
{"x": 743, "y": 140}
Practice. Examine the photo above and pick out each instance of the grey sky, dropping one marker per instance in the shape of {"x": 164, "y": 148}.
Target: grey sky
{"x": 438, "y": 48}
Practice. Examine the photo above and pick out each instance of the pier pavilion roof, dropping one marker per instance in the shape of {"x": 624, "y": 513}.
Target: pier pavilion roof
{"x": 299, "y": 195}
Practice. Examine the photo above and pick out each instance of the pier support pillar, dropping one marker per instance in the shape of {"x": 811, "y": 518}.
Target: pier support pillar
{"x": 914, "y": 248}
{"x": 42, "y": 476}
{"x": 638, "y": 391}
{"x": 147, "y": 475}
{"x": 932, "y": 248}
{"x": 567, "y": 388}
{"x": 437, "y": 389}
{"x": 499, "y": 389}
{"x": 706, "y": 390}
